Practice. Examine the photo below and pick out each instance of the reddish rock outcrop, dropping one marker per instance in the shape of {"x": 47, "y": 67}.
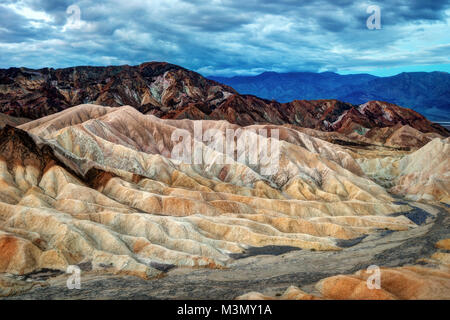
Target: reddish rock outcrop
{"x": 172, "y": 92}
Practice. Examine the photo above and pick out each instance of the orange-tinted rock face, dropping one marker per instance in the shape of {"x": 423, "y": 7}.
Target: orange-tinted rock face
{"x": 17, "y": 255}
{"x": 351, "y": 288}
{"x": 8, "y": 248}
{"x": 443, "y": 244}
{"x": 410, "y": 282}
{"x": 403, "y": 283}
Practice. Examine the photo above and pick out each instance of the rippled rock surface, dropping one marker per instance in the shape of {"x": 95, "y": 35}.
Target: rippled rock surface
{"x": 99, "y": 187}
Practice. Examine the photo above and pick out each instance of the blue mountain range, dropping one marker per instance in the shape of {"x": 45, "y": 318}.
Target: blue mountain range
{"x": 425, "y": 92}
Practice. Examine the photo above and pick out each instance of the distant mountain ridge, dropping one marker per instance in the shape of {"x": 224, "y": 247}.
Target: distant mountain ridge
{"x": 426, "y": 93}
{"x": 172, "y": 92}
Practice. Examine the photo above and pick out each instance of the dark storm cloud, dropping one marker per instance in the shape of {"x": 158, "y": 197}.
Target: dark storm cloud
{"x": 225, "y": 36}
{"x": 12, "y": 26}
{"x": 17, "y": 28}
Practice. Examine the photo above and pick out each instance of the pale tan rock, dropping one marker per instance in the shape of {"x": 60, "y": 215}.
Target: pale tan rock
{"x": 99, "y": 185}
{"x": 425, "y": 174}
{"x": 291, "y": 293}
{"x": 442, "y": 257}
{"x": 403, "y": 283}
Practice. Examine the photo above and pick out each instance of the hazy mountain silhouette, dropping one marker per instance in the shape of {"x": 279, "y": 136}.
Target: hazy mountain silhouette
{"x": 426, "y": 93}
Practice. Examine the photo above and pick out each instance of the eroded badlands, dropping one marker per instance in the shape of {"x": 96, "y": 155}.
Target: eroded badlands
{"x": 98, "y": 187}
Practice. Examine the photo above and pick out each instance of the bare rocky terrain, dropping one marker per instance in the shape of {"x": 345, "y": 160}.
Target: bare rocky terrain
{"x": 115, "y": 191}
{"x": 270, "y": 274}
{"x": 172, "y": 92}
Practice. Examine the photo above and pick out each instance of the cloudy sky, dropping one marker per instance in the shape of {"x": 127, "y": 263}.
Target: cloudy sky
{"x": 228, "y": 37}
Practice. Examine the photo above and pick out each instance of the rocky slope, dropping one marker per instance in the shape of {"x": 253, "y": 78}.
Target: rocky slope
{"x": 412, "y": 282}
{"x": 403, "y": 283}
{"x": 11, "y": 121}
{"x": 270, "y": 271}
{"x": 169, "y": 91}
{"x": 426, "y": 93}
{"x": 100, "y": 187}
{"x": 160, "y": 87}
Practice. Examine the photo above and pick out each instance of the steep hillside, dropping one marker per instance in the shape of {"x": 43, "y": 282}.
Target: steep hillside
{"x": 426, "y": 93}
{"x": 171, "y": 92}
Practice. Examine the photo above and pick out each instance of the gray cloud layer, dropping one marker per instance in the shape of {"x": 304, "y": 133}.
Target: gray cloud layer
{"x": 226, "y": 36}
